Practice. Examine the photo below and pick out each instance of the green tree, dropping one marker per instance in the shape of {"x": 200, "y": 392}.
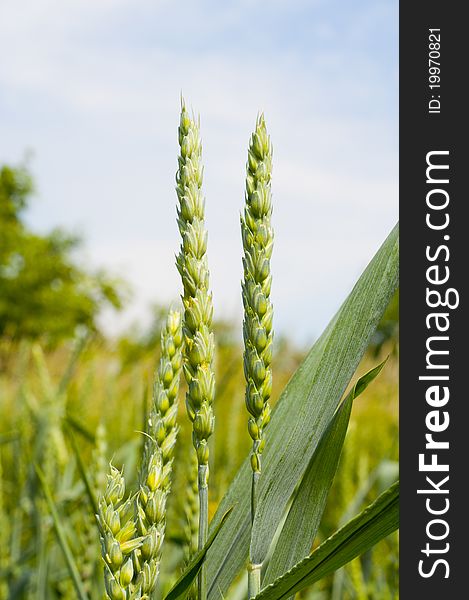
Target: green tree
{"x": 43, "y": 293}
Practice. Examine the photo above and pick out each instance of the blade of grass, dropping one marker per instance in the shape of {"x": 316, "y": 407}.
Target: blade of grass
{"x": 352, "y": 508}
{"x": 344, "y": 347}
{"x": 84, "y": 475}
{"x": 78, "y": 348}
{"x": 80, "y": 428}
{"x": 190, "y": 573}
{"x": 61, "y": 537}
{"x": 302, "y": 523}
{"x": 356, "y": 537}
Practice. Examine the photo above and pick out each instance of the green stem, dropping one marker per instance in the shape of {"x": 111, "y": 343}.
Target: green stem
{"x": 203, "y": 527}
{"x": 255, "y": 480}
{"x": 254, "y": 580}
{"x": 254, "y": 571}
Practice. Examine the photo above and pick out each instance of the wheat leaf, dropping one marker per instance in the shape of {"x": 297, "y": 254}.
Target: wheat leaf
{"x": 61, "y": 537}
{"x": 356, "y": 537}
{"x": 302, "y": 523}
{"x": 190, "y": 573}
{"x": 84, "y": 475}
{"x": 301, "y": 416}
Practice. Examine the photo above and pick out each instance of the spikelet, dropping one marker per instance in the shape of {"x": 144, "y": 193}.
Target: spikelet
{"x": 257, "y": 235}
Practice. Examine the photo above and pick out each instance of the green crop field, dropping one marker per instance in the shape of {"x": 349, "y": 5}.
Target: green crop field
{"x": 190, "y": 463}
{"x": 102, "y": 405}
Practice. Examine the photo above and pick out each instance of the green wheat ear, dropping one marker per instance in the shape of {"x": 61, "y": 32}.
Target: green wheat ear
{"x": 161, "y": 427}
{"x": 118, "y": 537}
{"x": 198, "y": 309}
{"x": 197, "y": 300}
{"x": 158, "y": 455}
{"x": 258, "y": 241}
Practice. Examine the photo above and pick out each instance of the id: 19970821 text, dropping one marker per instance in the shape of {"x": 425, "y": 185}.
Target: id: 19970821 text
{"x": 434, "y": 71}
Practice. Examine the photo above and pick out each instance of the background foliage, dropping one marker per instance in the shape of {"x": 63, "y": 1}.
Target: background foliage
{"x": 43, "y": 291}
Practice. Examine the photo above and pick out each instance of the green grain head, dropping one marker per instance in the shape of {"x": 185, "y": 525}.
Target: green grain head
{"x": 197, "y": 299}
{"x": 155, "y": 473}
{"x": 257, "y": 235}
{"x": 161, "y": 427}
{"x": 119, "y": 539}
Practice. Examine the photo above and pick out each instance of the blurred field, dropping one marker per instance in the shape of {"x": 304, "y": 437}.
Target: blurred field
{"x": 99, "y": 393}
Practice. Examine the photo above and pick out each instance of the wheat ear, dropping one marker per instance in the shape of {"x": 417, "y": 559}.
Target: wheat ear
{"x": 198, "y": 310}
{"x": 118, "y": 538}
{"x": 158, "y": 454}
{"x": 257, "y": 235}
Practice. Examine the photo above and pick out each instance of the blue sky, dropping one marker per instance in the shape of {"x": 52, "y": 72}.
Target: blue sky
{"x": 92, "y": 90}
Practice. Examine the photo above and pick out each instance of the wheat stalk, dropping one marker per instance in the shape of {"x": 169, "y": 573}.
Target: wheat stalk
{"x": 257, "y": 235}
{"x": 198, "y": 310}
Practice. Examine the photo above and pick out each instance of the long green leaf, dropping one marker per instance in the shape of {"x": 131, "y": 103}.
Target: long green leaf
{"x": 190, "y": 573}
{"x": 346, "y": 342}
{"x": 304, "y": 516}
{"x": 301, "y": 416}
{"x": 383, "y": 468}
{"x": 85, "y": 476}
{"x": 78, "y": 347}
{"x": 356, "y": 537}
{"x": 62, "y": 539}
{"x": 80, "y": 428}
